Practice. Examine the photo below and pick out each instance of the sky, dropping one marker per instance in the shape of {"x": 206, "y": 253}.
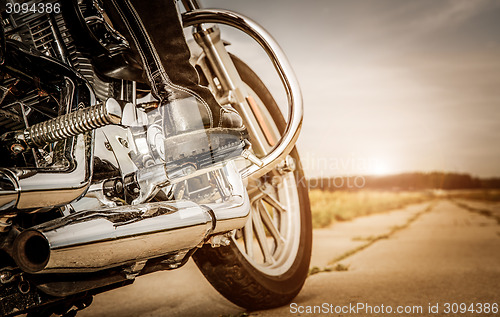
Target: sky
{"x": 389, "y": 86}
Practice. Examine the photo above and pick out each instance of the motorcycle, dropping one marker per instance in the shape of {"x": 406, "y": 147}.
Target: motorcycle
{"x": 92, "y": 192}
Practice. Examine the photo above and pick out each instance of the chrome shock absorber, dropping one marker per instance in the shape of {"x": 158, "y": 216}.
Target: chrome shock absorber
{"x": 74, "y": 123}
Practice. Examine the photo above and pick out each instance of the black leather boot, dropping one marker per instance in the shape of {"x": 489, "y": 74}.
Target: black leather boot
{"x": 154, "y": 30}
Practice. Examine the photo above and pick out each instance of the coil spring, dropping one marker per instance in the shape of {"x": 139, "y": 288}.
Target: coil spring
{"x": 74, "y": 123}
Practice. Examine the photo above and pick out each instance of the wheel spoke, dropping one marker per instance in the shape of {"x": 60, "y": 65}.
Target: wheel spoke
{"x": 274, "y": 202}
{"x": 268, "y": 222}
{"x": 248, "y": 237}
{"x": 261, "y": 237}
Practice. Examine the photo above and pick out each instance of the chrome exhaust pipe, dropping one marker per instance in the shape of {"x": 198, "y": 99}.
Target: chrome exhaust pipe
{"x": 89, "y": 241}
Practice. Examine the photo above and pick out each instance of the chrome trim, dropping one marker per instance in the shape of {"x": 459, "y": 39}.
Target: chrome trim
{"x": 282, "y": 66}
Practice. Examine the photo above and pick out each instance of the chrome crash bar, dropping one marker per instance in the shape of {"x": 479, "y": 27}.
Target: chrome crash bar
{"x": 285, "y": 72}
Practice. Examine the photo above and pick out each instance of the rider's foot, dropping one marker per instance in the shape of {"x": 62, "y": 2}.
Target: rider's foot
{"x": 197, "y": 128}
{"x": 195, "y": 124}
{"x": 190, "y": 112}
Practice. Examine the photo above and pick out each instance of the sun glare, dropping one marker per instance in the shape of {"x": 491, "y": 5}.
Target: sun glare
{"x": 380, "y": 167}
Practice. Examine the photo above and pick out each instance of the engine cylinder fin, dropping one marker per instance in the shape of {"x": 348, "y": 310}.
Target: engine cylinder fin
{"x": 9, "y": 120}
{"x": 82, "y": 63}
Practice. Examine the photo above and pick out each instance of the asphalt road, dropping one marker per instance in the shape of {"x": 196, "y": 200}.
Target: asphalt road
{"x": 408, "y": 259}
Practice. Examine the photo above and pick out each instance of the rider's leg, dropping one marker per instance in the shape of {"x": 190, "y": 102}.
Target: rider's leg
{"x": 161, "y": 26}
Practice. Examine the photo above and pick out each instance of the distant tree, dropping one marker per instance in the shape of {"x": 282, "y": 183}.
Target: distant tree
{"x": 405, "y": 181}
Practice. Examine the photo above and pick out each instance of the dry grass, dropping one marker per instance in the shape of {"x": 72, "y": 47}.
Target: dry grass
{"x": 328, "y": 207}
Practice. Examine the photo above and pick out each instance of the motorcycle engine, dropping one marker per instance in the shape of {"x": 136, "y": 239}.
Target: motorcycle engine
{"x": 23, "y": 104}
{"x": 49, "y": 34}
{"x": 145, "y": 160}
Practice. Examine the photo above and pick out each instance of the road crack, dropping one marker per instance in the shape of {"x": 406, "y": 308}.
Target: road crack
{"x": 484, "y": 212}
{"x": 333, "y": 265}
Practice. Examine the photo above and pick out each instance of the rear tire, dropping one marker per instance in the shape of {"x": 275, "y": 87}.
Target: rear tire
{"x": 273, "y": 280}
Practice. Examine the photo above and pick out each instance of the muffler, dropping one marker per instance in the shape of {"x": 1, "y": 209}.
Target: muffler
{"x": 89, "y": 241}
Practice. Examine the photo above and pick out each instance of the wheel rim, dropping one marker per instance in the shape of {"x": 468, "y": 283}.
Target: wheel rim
{"x": 270, "y": 239}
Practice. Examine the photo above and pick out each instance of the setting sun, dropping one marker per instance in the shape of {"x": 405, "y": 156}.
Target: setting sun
{"x": 380, "y": 167}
